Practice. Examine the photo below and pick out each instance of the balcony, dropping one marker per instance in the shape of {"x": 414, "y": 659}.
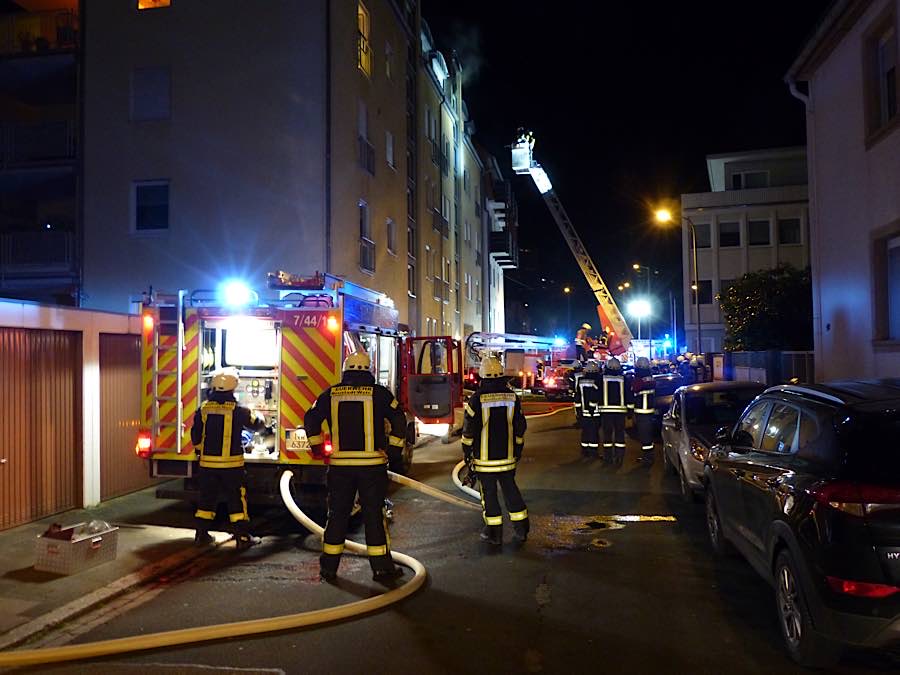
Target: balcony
{"x": 367, "y": 155}
{"x": 28, "y": 255}
{"x": 38, "y": 32}
{"x": 42, "y": 143}
{"x": 440, "y": 224}
{"x": 504, "y": 249}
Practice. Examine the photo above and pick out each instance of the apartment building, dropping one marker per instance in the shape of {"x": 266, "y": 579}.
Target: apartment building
{"x": 39, "y": 161}
{"x": 501, "y": 218}
{"x": 754, "y": 217}
{"x": 847, "y": 76}
{"x": 301, "y": 135}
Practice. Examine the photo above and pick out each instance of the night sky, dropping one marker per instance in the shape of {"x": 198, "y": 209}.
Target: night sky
{"x": 626, "y": 100}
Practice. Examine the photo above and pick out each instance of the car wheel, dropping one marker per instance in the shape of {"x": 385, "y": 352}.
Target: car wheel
{"x": 720, "y": 545}
{"x": 805, "y": 646}
{"x": 687, "y": 492}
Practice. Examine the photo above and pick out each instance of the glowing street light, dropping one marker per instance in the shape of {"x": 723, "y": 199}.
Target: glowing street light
{"x": 639, "y": 309}
{"x": 664, "y": 217}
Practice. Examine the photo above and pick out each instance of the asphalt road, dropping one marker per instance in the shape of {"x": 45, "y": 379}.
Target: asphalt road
{"x": 584, "y": 594}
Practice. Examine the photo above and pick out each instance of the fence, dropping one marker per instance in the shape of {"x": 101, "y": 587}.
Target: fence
{"x": 769, "y": 367}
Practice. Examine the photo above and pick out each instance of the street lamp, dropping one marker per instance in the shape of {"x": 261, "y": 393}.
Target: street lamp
{"x": 664, "y": 217}
{"x": 639, "y": 309}
{"x": 637, "y": 267}
{"x": 568, "y": 292}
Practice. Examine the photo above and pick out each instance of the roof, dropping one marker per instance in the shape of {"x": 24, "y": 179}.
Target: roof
{"x": 723, "y": 385}
{"x": 850, "y": 393}
{"x": 831, "y": 28}
{"x": 715, "y": 164}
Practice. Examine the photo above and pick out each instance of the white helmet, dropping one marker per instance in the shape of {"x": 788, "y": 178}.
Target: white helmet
{"x": 642, "y": 362}
{"x": 357, "y": 361}
{"x": 591, "y": 366}
{"x": 613, "y": 365}
{"x": 225, "y": 379}
{"x": 490, "y": 368}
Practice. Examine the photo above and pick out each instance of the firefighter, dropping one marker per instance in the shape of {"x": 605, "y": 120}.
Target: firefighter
{"x": 582, "y": 340}
{"x": 493, "y": 438}
{"x": 586, "y": 399}
{"x": 684, "y": 369}
{"x": 357, "y": 412}
{"x": 613, "y": 406}
{"x": 644, "y": 389}
{"x": 216, "y": 434}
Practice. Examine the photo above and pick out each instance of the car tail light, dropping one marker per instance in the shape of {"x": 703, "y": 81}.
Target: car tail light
{"x": 328, "y": 448}
{"x": 857, "y": 499}
{"x": 144, "y": 446}
{"x": 549, "y": 381}
{"x": 861, "y": 589}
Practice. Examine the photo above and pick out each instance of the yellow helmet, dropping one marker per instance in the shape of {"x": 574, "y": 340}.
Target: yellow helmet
{"x": 586, "y": 326}
{"x": 357, "y": 361}
{"x": 490, "y": 367}
{"x": 225, "y": 379}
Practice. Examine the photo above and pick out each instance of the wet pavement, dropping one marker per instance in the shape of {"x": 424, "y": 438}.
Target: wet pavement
{"x": 616, "y": 576}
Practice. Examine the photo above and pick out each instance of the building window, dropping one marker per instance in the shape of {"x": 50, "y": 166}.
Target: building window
{"x": 789, "y": 231}
{"x": 882, "y": 74}
{"x": 391, "y": 227}
{"x": 366, "y": 244}
{"x": 363, "y": 46}
{"x": 445, "y": 210}
{"x": 467, "y": 229}
{"x": 366, "y": 149}
{"x": 758, "y": 233}
{"x": 477, "y": 296}
{"x": 153, "y": 4}
{"x": 388, "y": 61}
{"x": 749, "y": 180}
{"x": 151, "y": 94}
{"x": 729, "y": 235}
{"x": 706, "y": 296}
{"x": 893, "y": 288}
{"x": 389, "y": 148}
{"x": 703, "y": 235}
{"x": 151, "y": 206}
{"x": 411, "y": 277}
{"x": 429, "y": 263}
{"x": 724, "y": 285}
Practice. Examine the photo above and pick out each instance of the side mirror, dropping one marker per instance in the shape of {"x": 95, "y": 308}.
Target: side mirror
{"x": 723, "y": 436}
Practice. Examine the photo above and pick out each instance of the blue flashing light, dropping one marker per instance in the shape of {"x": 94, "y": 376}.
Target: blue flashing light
{"x": 558, "y": 341}
{"x": 667, "y": 344}
{"x": 235, "y": 293}
{"x": 667, "y": 336}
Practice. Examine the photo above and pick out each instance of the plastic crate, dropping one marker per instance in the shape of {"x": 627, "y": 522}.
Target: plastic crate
{"x": 80, "y": 552}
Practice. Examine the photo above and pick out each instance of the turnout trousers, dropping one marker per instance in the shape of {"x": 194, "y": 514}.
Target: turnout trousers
{"x": 222, "y": 485}
{"x": 644, "y": 426}
{"x": 614, "y": 436}
{"x": 590, "y": 436}
{"x": 490, "y": 501}
{"x": 343, "y": 483}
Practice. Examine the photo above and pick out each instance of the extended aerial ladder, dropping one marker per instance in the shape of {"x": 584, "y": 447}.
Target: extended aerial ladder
{"x": 611, "y": 318}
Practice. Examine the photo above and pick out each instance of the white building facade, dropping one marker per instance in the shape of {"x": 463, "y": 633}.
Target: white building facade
{"x": 848, "y": 77}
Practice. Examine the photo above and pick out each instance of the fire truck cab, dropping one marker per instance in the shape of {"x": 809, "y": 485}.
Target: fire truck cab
{"x": 288, "y": 344}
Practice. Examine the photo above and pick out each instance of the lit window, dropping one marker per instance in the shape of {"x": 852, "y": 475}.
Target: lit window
{"x": 363, "y": 46}
{"x": 153, "y": 4}
{"x": 151, "y": 206}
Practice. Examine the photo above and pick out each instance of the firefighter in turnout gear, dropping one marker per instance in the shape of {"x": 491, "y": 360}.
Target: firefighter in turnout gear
{"x": 613, "y": 406}
{"x": 644, "y": 389}
{"x": 357, "y": 411}
{"x": 216, "y": 434}
{"x": 586, "y": 399}
{"x": 582, "y": 342}
{"x": 493, "y": 438}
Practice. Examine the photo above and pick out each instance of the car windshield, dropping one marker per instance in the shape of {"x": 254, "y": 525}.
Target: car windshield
{"x": 870, "y": 441}
{"x": 717, "y": 407}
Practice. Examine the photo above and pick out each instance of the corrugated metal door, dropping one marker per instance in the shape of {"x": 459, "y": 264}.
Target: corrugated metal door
{"x": 40, "y": 424}
{"x": 121, "y": 471}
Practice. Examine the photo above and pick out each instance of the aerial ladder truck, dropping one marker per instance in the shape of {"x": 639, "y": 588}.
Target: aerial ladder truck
{"x": 611, "y": 319}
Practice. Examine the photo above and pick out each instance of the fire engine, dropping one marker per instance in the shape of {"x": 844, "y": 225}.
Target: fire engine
{"x": 288, "y": 344}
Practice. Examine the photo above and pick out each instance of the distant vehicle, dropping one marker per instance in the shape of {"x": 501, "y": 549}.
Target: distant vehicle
{"x": 557, "y": 382}
{"x": 807, "y": 487}
{"x": 689, "y": 426}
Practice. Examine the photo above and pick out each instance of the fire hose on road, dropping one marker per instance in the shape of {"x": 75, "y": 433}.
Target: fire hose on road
{"x": 317, "y": 617}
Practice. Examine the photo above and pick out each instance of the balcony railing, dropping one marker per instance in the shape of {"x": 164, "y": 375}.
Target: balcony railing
{"x": 442, "y": 290}
{"x": 367, "y": 155}
{"x": 38, "y": 32}
{"x": 367, "y": 254}
{"x": 33, "y": 254}
{"x": 504, "y": 249}
{"x": 38, "y": 143}
{"x": 440, "y": 224}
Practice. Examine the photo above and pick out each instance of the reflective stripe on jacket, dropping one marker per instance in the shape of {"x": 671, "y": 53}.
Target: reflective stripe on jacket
{"x": 216, "y": 431}
{"x": 494, "y": 427}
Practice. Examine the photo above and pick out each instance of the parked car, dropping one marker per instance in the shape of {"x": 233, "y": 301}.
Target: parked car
{"x": 806, "y": 486}
{"x": 666, "y": 384}
{"x": 689, "y": 427}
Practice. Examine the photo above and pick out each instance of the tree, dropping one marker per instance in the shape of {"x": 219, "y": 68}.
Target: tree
{"x": 768, "y": 309}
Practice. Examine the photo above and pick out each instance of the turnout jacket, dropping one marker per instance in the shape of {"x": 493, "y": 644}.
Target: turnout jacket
{"x": 587, "y": 396}
{"x": 216, "y": 431}
{"x": 615, "y": 394}
{"x": 356, "y": 411}
{"x": 644, "y": 389}
{"x": 493, "y": 427}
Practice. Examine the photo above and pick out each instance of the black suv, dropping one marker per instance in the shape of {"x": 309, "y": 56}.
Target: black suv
{"x": 807, "y": 487}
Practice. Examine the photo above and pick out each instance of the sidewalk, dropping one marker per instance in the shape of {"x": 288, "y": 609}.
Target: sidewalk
{"x": 154, "y": 535}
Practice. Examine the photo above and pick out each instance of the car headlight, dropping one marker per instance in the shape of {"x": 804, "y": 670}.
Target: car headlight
{"x": 699, "y": 451}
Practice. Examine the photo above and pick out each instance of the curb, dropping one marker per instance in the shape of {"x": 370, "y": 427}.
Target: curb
{"x": 60, "y": 615}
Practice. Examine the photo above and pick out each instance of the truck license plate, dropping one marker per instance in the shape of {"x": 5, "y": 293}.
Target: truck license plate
{"x": 296, "y": 441}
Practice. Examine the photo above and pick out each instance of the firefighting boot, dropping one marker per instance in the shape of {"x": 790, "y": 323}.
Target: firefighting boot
{"x": 387, "y": 576}
{"x": 520, "y": 531}
{"x": 492, "y": 534}
{"x": 203, "y": 538}
{"x": 242, "y": 537}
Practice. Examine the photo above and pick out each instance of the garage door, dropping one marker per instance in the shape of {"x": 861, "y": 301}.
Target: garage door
{"x": 40, "y": 424}
{"x": 121, "y": 471}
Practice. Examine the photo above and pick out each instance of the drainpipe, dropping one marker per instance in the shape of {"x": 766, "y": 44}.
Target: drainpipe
{"x": 812, "y": 216}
